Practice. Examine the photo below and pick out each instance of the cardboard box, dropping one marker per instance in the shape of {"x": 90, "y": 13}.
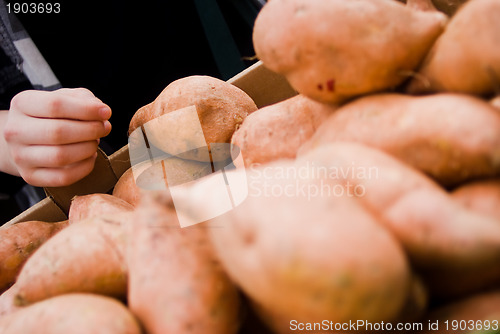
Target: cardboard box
{"x": 265, "y": 88}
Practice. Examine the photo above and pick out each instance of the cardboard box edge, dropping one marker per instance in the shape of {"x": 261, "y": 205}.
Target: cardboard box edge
{"x": 45, "y": 210}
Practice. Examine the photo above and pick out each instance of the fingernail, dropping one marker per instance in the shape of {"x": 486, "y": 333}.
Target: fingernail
{"x": 105, "y": 112}
{"x": 107, "y": 126}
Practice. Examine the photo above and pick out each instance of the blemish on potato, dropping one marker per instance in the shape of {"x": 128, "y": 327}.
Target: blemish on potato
{"x": 330, "y": 85}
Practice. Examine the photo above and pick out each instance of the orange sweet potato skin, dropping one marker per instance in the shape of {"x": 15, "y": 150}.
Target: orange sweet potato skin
{"x": 482, "y": 196}
{"x": 94, "y": 205}
{"x": 84, "y": 257}
{"x": 277, "y": 131}
{"x": 282, "y": 258}
{"x": 72, "y": 313}
{"x": 466, "y": 57}
{"x": 126, "y": 188}
{"x": 333, "y": 50}
{"x": 441, "y": 237}
{"x": 18, "y": 242}
{"x": 176, "y": 285}
{"x": 437, "y": 134}
{"x": 8, "y": 303}
{"x": 221, "y": 108}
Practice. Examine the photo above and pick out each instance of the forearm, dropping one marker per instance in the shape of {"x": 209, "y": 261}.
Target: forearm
{"x": 6, "y": 163}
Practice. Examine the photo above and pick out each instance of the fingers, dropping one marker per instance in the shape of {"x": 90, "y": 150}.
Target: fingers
{"x": 57, "y": 177}
{"x": 74, "y": 104}
{"x": 53, "y": 136}
{"x": 31, "y": 131}
{"x": 53, "y": 156}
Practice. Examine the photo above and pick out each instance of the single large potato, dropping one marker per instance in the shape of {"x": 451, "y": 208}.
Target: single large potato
{"x": 450, "y": 137}
{"x": 277, "y": 131}
{"x": 191, "y": 115}
{"x": 466, "y": 57}
{"x": 72, "y": 313}
{"x": 336, "y": 49}
{"x": 307, "y": 260}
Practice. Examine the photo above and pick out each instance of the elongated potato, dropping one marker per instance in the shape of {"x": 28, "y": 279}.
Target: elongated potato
{"x": 480, "y": 196}
{"x": 87, "y": 257}
{"x": 176, "y": 285}
{"x": 193, "y": 113}
{"x": 18, "y": 242}
{"x": 95, "y": 205}
{"x": 451, "y": 137}
{"x": 8, "y": 301}
{"x": 72, "y": 313}
{"x": 277, "y": 131}
{"x": 305, "y": 258}
{"x": 466, "y": 57}
{"x": 333, "y": 50}
{"x": 437, "y": 232}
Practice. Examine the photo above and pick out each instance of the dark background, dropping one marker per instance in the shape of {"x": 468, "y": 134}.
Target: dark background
{"x": 126, "y": 53}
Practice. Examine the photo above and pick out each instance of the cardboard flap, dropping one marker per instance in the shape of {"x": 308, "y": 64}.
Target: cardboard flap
{"x": 45, "y": 210}
{"x": 262, "y": 85}
{"x": 120, "y": 161}
{"x": 101, "y": 180}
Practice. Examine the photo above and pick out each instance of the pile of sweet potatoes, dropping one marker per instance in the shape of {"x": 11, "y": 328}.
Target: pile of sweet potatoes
{"x": 370, "y": 197}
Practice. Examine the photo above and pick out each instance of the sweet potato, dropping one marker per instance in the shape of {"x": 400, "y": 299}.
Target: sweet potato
{"x": 8, "y": 301}
{"x": 478, "y": 313}
{"x": 193, "y": 113}
{"x": 334, "y": 50}
{"x": 72, "y": 313}
{"x": 305, "y": 258}
{"x": 480, "y": 196}
{"x": 437, "y": 232}
{"x": 176, "y": 285}
{"x": 85, "y": 257}
{"x": 158, "y": 175}
{"x": 466, "y": 57}
{"x": 425, "y": 5}
{"x": 495, "y": 102}
{"x": 277, "y": 131}
{"x": 18, "y": 242}
{"x": 437, "y": 134}
{"x": 126, "y": 189}
{"x": 95, "y": 205}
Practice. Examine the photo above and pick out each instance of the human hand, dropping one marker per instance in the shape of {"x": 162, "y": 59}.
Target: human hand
{"x": 52, "y": 137}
